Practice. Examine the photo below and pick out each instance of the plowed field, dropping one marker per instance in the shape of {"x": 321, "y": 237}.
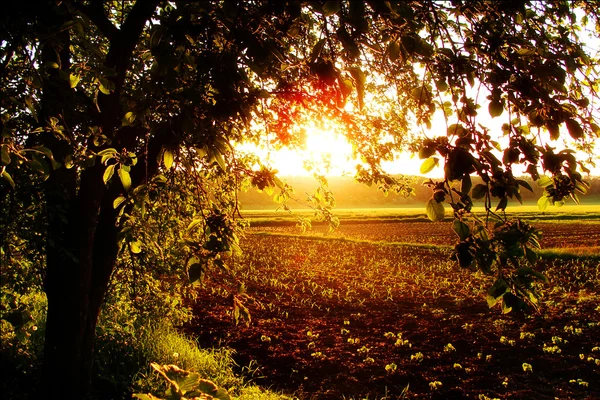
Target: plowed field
{"x": 332, "y": 318}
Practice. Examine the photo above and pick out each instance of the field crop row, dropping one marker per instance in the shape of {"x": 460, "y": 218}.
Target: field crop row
{"x": 337, "y": 318}
{"x": 570, "y": 234}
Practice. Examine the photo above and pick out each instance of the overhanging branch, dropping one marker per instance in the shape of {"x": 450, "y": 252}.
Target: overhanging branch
{"x": 95, "y": 12}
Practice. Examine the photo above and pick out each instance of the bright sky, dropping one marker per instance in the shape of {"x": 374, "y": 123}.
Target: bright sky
{"x": 333, "y": 153}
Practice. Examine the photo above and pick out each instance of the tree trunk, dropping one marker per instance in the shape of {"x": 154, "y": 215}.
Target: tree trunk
{"x": 80, "y": 260}
{"x": 82, "y": 242}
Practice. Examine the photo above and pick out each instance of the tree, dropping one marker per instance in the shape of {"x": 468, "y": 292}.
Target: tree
{"x": 102, "y": 98}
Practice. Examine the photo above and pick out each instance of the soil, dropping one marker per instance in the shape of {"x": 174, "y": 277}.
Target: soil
{"x": 370, "y": 349}
{"x": 554, "y": 235}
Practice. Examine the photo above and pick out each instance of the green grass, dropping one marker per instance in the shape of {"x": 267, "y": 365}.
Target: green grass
{"x": 529, "y": 212}
{"x": 592, "y": 253}
{"x": 127, "y": 345}
{"x": 163, "y": 344}
{"x": 124, "y": 353}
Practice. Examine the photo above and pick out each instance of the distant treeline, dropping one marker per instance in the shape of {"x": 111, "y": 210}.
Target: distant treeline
{"x": 351, "y": 194}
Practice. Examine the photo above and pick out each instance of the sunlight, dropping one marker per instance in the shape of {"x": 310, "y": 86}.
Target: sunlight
{"x": 324, "y": 151}
{"x": 329, "y": 153}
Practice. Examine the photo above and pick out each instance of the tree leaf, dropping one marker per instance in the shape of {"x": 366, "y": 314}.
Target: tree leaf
{"x": 531, "y": 255}
{"x": 8, "y": 178}
{"x": 442, "y": 85}
{"x": 496, "y": 108}
{"x": 48, "y": 153}
{"x": 135, "y": 247}
{"x": 435, "y": 211}
{"x": 128, "y": 119}
{"x": 103, "y": 89}
{"x": 479, "y": 191}
{"x": 553, "y": 129}
{"x": 125, "y": 178}
{"x": 107, "y": 151}
{"x": 74, "y": 80}
{"x": 316, "y": 51}
{"x": 221, "y": 161}
{"x": 525, "y": 184}
{"x": 456, "y": 129}
{"x": 359, "y": 78}
{"x": 35, "y": 166}
{"x": 331, "y": 7}
{"x": 502, "y": 204}
{"x": 118, "y": 201}
{"x": 196, "y": 272}
{"x": 5, "y": 155}
{"x": 421, "y": 94}
{"x": 108, "y": 173}
{"x": 461, "y": 229}
{"x": 428, "y": 165}
{"x": 409, "y": 43}
{"x": 543, "y": 202}
{"x": 45, "y": 169}
{"x": 575, "y": 130}
{"x": 466, "y": 184}
{"x": 544, "y": 181}
{"x": 528, "y": 271}
{"x": 393, "y": 50}
{"x": 168, "y": 158}
{"x": 423, "y": 48}
{"x": 105, "y": 85}
{"x": 426, "y": 152}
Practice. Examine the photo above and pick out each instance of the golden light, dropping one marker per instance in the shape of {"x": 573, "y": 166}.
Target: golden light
{"x": 323, "y": 150}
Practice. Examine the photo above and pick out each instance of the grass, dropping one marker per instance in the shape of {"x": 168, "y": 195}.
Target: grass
{"x": 590, "y": 253}
{"x": 163, "y": 344}
{"x": 126, "y": 345}
{"x": 529, "y": 212}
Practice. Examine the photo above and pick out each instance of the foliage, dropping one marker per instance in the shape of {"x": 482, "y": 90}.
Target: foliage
{"x": 187, "y": 384}
{"x": 22, "y": 303}
{"x": 174, "y": 236}
{"x": 22, "y": 322}
{"x": 184, "y": 384}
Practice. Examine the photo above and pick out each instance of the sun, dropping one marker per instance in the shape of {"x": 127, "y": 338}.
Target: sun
{"x": 323, "y": 150}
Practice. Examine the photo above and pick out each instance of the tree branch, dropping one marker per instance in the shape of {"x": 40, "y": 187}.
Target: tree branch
{"x": 95, "y": 12}
{"x": 122, "y": 46}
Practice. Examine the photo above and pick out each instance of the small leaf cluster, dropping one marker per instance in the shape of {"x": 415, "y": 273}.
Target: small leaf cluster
{"x": 185, "y": 385}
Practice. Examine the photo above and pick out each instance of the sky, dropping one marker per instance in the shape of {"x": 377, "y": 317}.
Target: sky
{"x": 327, "y": 147}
